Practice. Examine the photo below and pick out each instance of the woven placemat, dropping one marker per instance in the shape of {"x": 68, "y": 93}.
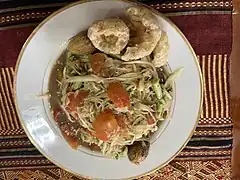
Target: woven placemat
{"x": 206, "y": 24}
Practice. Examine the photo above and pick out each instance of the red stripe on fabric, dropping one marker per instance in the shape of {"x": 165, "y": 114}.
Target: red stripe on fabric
{"x": 208, "y": 34}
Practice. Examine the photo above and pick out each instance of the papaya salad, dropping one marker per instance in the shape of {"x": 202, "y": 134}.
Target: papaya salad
{"x": 113, "y": 89}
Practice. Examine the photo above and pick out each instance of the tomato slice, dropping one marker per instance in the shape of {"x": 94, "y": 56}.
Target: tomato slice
{"x": 150, "y": 121}
{"x": 72, "y": 141}
{"x": 105, "y": 125}
{"x": 75, "y": 99}
{"x": 97, "y": 61}
{"x": 118, "y": 95}
{"x": 69, "y": 135}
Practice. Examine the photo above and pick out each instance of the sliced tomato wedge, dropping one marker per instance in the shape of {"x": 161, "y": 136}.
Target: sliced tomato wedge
{"x": 150, "y": 121}
{"x": 69, "y": 135}
{"x": 105, "y": 125}
{"x": 118, "y": 95}
{"x": 97, "y": 61}
{"x": 75, "y": 99}
{"x": 72, "y": 141}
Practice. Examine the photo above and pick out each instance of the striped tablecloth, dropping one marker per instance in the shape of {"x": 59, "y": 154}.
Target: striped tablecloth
{"x": 206, "y": 24}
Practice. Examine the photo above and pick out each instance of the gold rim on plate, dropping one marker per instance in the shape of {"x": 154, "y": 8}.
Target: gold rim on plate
{"x": 82, "y": 2}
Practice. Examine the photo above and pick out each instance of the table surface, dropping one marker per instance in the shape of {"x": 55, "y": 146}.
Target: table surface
{"x": 235, "y": 75}
{"x": 235, "y": 88}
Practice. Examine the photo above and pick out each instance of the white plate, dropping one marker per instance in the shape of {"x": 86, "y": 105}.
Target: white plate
{"x": 35, "y": 61}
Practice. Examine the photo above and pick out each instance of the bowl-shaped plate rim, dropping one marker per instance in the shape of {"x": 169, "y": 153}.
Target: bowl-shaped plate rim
{"x": 157, "y": 13}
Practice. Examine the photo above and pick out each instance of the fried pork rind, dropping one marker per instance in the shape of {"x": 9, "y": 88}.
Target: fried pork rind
{"x": 141, "y": 16}
{"x": 160, "y": 53}
{"x": 109, "y": 36}
{"x": 148, "y": 33}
